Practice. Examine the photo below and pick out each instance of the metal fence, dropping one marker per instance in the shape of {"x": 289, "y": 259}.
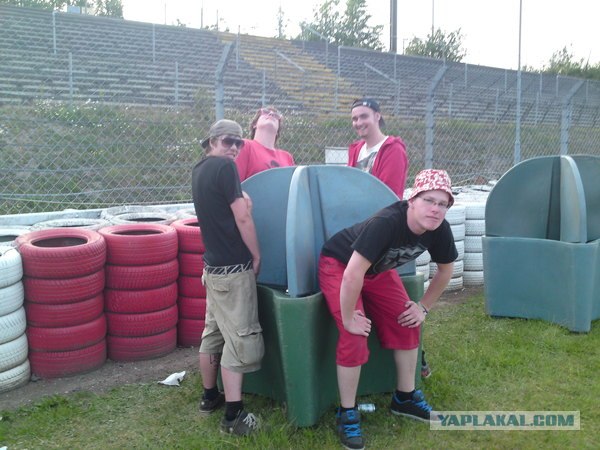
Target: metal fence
{"x": 96, "y": 112}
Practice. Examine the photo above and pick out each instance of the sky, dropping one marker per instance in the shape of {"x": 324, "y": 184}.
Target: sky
{"x": 490, "y": 28}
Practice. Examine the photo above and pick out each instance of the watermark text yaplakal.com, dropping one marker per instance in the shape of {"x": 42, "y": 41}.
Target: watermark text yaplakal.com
{"x": 507, "y": 420}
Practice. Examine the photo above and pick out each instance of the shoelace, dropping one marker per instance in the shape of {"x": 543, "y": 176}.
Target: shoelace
{"x": 422, "y": 404}
{"x": 250, "y": 421}
{"x": 352, "y": 429}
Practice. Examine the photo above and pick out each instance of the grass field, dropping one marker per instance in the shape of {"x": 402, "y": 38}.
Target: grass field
{"x": 480, "y": 363}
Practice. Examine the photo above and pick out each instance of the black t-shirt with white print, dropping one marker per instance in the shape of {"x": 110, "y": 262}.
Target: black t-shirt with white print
{"x": 387, "y": 242}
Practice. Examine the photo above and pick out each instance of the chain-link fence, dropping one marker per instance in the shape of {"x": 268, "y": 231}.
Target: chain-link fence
{"x": 97, "y": 112}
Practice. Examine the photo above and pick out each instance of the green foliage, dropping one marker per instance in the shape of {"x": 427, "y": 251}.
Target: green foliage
{"x": 479, "y": 363}
{"x": 350, "y": 27}
{"x": 563, "y": 62}
{"x": 111, "y": 8}
{"x": 440, "y": 45}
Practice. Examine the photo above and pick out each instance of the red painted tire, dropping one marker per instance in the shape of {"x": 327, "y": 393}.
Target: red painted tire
{"x": 66, "y": 290}
{"x": 138, "y": 244}
{"x": 61, "y": 252}
{"x": 191, "y": 307}
{"x": 64, "y": 364}
{"x": 189, "y": 235}
{"x": 143, "y": 324}
{"x": 65, "y": 315}
{"x": 191, "y": 264}
{"x": 66, "y": 338}
{"x": 191, "y": 286}
{"x": 140, "y": 301}
{"x": 141, "y": 277}
{"x": 189, "y": 332}
{"x": 142, "y": 347}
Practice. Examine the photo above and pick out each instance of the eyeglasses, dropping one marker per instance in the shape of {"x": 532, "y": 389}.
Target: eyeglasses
{"x": 431, "y": 202}
{"x": 270, "y": 112}
{"x": 229, "y": 142}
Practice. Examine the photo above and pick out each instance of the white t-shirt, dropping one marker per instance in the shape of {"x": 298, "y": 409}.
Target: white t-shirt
{"x": 366, "y": 156}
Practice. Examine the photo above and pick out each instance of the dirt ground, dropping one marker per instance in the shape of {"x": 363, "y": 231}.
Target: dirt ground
{"x": 113, "y": 374}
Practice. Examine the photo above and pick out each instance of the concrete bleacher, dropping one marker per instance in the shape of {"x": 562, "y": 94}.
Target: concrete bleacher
{"x": 64, "y": 56}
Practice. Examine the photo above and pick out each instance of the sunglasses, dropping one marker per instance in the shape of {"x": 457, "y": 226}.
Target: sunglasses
{"x": 229, "y": 142}
{"x": 270, "y": 112}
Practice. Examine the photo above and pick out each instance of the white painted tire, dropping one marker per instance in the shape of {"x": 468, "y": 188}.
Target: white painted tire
{"x": 456, "y": 214}
{"x": 424, "y": 258}
{"x": 154, "y": 217}
{"x": 458, "y": 231}
{"x": 473, "y": 278}
{"x": 186, "y": 213}
{"x": 474, "y": 227}
{"x": 15, "y": 377}
{"x": 473, "y": 244}
{"x": 10, "y": 233}
{"x": 12, "y": 325}
{"x": 455, "y": 284}
{"x": 11, "y": 266}
{"x": 113, "y": 211}
{"x": 424, "y": 269}
{"x": 473, "y": 261}
{"x": 457, "y": 269}
{"x": 11, "y": 298}
{"x": 13, "y": 353}
{"x": 90, "y": 224}
{"x": 460, "y": 248}
{"x": 475, "y": 210}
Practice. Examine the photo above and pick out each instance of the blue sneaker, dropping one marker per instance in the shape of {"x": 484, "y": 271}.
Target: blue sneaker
{"x": 416, "y": 408}
{"x": 348, "y": 429}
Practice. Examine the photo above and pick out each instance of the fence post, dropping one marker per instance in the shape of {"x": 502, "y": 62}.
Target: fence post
{"x": 176, "y": 83}
{"x": 264, "y": 88}
{"x": 565, "y": 121}
{"x": 337, "y": 78}
{"x": 153, "y": 43}
{"x": 429, "y": 116}
{"x": 219, "y": 88}
{"x": 54, "y": 31}
{"x": 70, "y": 77}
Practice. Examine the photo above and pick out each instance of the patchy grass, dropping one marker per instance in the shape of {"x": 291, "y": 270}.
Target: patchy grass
{"x": 479, "y": 363}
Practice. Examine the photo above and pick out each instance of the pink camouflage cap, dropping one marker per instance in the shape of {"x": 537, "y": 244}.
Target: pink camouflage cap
{"x": 432, "y": 180}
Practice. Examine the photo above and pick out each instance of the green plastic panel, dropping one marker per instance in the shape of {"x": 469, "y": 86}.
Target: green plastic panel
{"x": 298, "y": 369}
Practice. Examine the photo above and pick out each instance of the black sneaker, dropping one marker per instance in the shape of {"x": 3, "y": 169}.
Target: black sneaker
{"x": 244, "y": 424}
{"x": 210, "y": 406}
{"x": 348, "y": 429}
{"x": 415, "y": 408}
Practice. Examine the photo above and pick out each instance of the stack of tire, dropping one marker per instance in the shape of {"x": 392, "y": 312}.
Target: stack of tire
{"x": 119, "y": 215}
{"x": 474, "y": 230}
{"x": 141, "y": 290}
{"x": 14, "y": 365}
{"x": 456, "y": 218}
{"x": 192, "y": 294}
{"x": 64, "y": 282}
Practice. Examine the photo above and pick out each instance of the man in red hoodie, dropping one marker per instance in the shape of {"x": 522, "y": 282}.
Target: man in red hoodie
{"x": 382, "y": 156}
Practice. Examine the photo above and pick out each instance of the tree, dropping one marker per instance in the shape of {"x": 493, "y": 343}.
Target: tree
{"x": 349, "y": 27}
{"x": 112, "y": 8}
{"x": 440, "y": 45}
{"x": 564, "y": 63}
{"x": 281, "y": 24}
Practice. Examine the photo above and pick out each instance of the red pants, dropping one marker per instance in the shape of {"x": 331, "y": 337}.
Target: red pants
{"x": 382, "y": 299}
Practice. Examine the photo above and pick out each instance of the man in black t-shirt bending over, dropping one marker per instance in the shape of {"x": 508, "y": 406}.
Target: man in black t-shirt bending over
{"x": 232, "y": 337}
{"x": 358, "y": 280}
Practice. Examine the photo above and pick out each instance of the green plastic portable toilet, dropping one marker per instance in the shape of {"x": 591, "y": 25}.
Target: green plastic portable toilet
{"x": 301, "y": 207}
{"x": 540, "y": 250}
